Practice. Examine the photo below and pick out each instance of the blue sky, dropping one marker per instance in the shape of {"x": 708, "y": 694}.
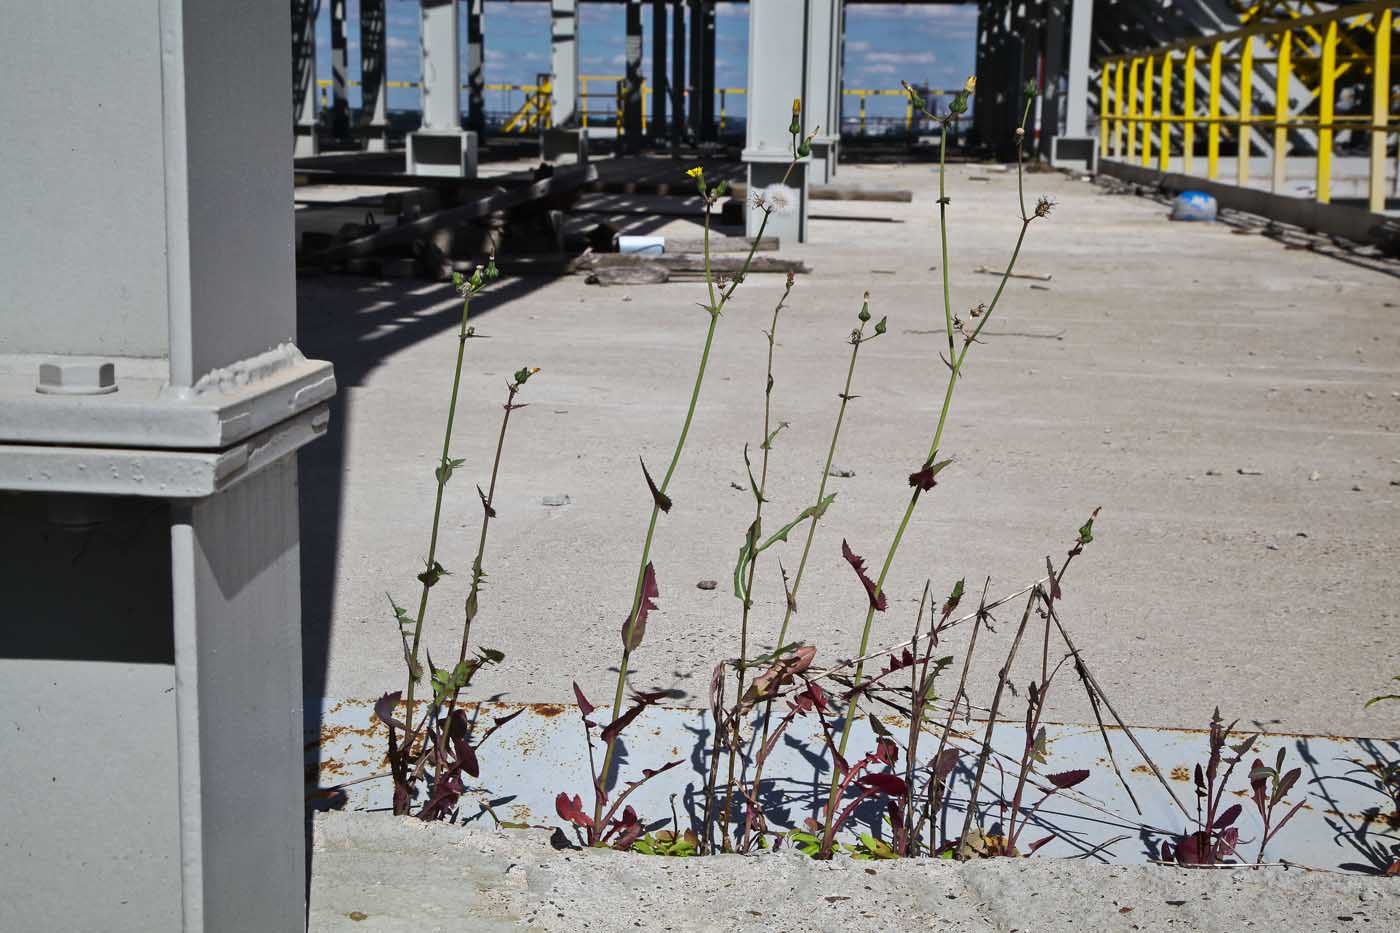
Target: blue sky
{"x": 884, "y": 44}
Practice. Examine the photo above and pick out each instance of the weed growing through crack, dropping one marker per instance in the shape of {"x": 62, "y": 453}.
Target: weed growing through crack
{"x": 604, "y": 823}
{"x": 442, "y": 746}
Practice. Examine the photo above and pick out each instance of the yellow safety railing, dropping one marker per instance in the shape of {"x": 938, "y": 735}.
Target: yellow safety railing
{"x": 536, "y": 112}
{"x": 1303, "y": 47}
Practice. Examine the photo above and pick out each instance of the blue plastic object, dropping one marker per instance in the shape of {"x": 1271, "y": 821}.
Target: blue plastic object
{"x": 1193, "y": 205}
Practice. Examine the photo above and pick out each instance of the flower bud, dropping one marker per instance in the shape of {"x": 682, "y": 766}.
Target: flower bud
{"x": 476, "y": 278}
{"x": 959, "y": 102}
{"x": 457, "y": 281}
{"x": 970, "y": 84}
{"x": 795, "y": 126}
{"x": 880, "y": 326}
{"x": 524, "y": 373}
{"x": 1032, "y": 89}
{"x": 805, "y": 149}
{"x": 864, "y": 314}
{"x": 492, "y": 273}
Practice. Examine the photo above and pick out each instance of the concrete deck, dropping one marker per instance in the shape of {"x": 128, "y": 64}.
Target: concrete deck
{"x": 1232, "y": 405}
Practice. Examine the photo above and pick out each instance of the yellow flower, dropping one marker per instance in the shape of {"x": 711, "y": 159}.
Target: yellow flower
{"x": 696, "y": 172}
{"x": 971, "y": 84}
{"x": 796, "y": 105}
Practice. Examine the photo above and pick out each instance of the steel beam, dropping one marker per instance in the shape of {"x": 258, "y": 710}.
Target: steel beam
{"x": 822, "y": 92}
{"x": 476, "y": 65}
{"x": 658, "y": 68}
{"x": 441, "y": 146}
{"x": 632, "y": 81}
{"x": 774, "y": 82}
{"x": 373, "y": 90}
{"x": 151, "y": 403}
{"x": 304, "y": 101}
{"x": 563, "y": 56}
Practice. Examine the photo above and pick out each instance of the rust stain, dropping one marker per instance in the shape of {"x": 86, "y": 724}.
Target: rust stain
{"x": 1180, "y": 773}
{"x": 547, "y": 710}
{"x": 520, "y": 813}
{"x": 1141, "y": 769}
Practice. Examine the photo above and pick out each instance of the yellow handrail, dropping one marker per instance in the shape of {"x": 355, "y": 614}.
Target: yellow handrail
{"x": 1314, "y": 39}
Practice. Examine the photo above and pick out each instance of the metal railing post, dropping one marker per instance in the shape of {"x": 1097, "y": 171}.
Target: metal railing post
{"x": 1380, "y": 108}
{"x": 1245, "y": 111}
{"x": 1327, "y": 95}
{"x": 1147, "y": 76}
{"x": 1283, "y": 76}
{"x": 1188, "y": 110}
{"x": 1118, "y": 110}
{"x": 1132, "y": 107}
{"x": 1213, "y": 132}
{"x": 1103, "y": 106}
{"x": 1164, "y": 112}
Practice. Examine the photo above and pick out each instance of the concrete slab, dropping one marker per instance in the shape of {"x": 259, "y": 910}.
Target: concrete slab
{"x": 385, "y": 873}
{"x": 1230, "y": 404}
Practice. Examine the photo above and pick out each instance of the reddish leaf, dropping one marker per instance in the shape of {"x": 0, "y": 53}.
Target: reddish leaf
{"x": 629, "y": 829}
{"x": 384, "y": 709}
{"x": 782, "y": 672}
{"x": 886, "y": 751}
{"x": 927, "y": 476}
{"x": 812, "y": 697}
{"x": 1228, "y": 817}
{"x": 946, "y": 762}
{"x": 1038, "y": 843}
{"x": 641, "y": 701}
{"x": 584, "y": 706}
{"x": 572, "y": 810}
{"x": 663, "y": 501}
{"x": 637, "y": 620}
{"x": 884, "y": 783}
{"x": 877, "y": 596}
{"x": 1067, "y": 779}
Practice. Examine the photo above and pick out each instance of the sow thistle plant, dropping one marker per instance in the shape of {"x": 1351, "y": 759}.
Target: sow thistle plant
{"x": 440, "y": 747}
{"x": 756, "y": 698}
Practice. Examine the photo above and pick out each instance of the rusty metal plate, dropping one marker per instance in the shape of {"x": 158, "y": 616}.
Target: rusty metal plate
{"x": 1349, "y": 820}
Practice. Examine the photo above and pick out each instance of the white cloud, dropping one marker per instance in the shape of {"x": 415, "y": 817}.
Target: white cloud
{"x": 858, "y": 46}
{"x": 901, "y": 58}
{"x": 876, "y": 69}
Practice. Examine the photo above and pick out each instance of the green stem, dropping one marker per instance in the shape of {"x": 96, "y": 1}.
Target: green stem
{"x": 469, "y": 607}
{"x": 715, "y": 310}
{"x": 752, "y": 569}
{"x": 955, "y": 364}
{"x": 462, "y": 335}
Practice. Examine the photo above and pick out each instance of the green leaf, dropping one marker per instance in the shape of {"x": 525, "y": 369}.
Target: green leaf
{"x": 746, "y": 554}
{"x": 753, "y": 484}
{"x": 492, "y": 655}
{"x": 879, "y": 727}
{"x": 812, "y": 511}
{"x": 768, "y": 441}
{"x": 1086, "y": 532}
{"x": 432, "y": 574}
{"x": 445, "y": 468}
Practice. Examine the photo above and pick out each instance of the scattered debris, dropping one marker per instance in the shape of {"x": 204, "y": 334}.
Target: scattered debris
{"x": 838, "y": 472}
{"x": 707, "y": 584}
{"x": 1249, "y": 471}
{"x": 555, "y": 501}
{"x": 1015, "y": 275}
{"x": 1314, "y": 476}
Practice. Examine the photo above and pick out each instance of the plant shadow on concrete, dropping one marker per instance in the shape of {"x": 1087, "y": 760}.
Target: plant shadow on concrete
{"x": 935, "y": 785}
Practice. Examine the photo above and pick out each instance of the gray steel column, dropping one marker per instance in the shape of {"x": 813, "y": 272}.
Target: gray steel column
{"x": 821, "y": 94}
{"x": 373, "y": 90}
{"x": 707, "y": 71}
{"x": 1074, "y": 142}
{"x": 774, "y": 82}
{"x": 694, "y": 110}
{"x": 564, "y": 61}
{"x": 441, "y": 146}
{"x": 476, "y": 65}
{"x": 151, "y": 403}
{"x": 1081, "y": 30}
{"x": 304, "y": 106}
{"x": 658, "y": 68}
{"x": 632, "y": 81}
{"x": 677, "y": 86}
{"x": 1051, "y": 101}
{"x": 340, "y": 63}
